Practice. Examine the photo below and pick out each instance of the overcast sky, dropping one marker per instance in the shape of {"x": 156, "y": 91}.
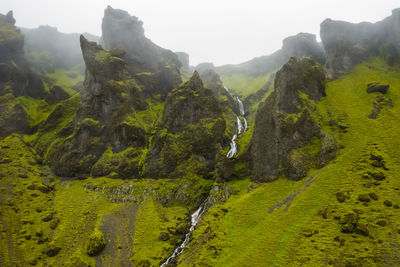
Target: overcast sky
{"x": 218, "y": 31}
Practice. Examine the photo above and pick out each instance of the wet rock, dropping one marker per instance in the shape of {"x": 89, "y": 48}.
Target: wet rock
{"x": 387, "y": 203}
{"x": 164, "y": 236}
{"x": 54, "y": 223}
{"x": 52, "y": 250}
{"x": 340, "y": 197}
{"x": 379, "y": 176}
{"x": 5, "y": 160}
{"x": 349, "y": 222}
{"x": 374, "y": 196}
{"x": 96, "y": 244}
{"x": 377, "y": 87}
{"x": 381, "y": 223}
{"x": 47, "y": 218}
{"x": 309, "y": 233}
{"x": 379, "y": 103}
{"x": 362, "y": 229}
{"x": 364, "y": 197}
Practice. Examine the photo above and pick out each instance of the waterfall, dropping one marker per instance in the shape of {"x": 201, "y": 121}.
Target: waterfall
{"x": 195, "y": 218}
{"x": 241, "y": 109}
{"x": 242, "y": 127}
{"x": 239, "y": 125}
{"x": 233, "y": 149}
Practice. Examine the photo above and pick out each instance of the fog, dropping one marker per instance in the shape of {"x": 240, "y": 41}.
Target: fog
{"x": 218, "y": 31}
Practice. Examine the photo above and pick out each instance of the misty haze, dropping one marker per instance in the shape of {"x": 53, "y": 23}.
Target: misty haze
{"x": 214, "y": 133}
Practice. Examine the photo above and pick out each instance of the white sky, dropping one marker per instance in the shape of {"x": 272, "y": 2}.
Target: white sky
{"x": 218, "y": 31}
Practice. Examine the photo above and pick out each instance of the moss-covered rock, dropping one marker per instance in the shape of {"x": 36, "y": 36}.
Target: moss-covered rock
{"x": 95, "y": 244}
{"x": 285, "y": 124}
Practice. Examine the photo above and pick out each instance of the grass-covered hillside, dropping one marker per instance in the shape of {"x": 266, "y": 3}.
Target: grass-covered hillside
{"x": 345, "y": 214}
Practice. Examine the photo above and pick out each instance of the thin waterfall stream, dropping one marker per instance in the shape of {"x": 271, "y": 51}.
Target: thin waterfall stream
{"x": 196, "y": 216}
{"x": 242, "y": 127}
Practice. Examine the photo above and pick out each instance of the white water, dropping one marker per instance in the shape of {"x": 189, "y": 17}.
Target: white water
{"x": 194, "y": 220}
{"x": 233, "y": 149}
{"x": 242, "y": 127}
{"x": 241, "y": 109}
{"x": 245, "y": 124}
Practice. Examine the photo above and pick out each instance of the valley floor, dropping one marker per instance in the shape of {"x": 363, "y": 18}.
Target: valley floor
{"x": 345, "y": 214}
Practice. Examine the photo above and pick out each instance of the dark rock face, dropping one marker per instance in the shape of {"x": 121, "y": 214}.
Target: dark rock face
{"x": 203, "y": 67}
{"x": 109, "y": 96}
{"x": 157, "y": 69}
{"x": 347, "y": 44}
{"x": 13, "y": 117}
{"x": 15, "y": 75}
{"x": 56, "y": 94}
{"x": 377, "y": 87}
{"x": 192, "y": 126}
{"x": 300, "y": 45}
{"x": 284, "y": 124}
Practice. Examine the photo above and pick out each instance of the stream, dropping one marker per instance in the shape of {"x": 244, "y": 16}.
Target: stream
{"x": 242, "y": 127}
{"x": 196, "y": 216}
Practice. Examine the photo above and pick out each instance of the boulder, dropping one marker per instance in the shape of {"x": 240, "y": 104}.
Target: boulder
{"x": 96, "y": 244}
{"x": 377, "y": 87}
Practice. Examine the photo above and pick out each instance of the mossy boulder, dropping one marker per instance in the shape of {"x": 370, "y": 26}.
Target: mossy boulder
{"x": 96, "y": 243}
{"x": 52, "y": 249}
{"x": 349, "y": 222}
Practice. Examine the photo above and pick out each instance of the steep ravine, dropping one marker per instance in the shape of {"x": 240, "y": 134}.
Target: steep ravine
{"x": 242, "y": 127}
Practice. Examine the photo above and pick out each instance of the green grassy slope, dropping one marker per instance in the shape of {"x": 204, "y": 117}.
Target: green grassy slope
{"x": 304, "y": 228}
{"x": 244, "y": 85}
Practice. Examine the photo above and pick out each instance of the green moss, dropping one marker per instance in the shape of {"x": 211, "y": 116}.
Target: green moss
{"x": 67, "y": 79}
{"x": 245, "y": 85}
{"x": 37, "y": 109}
{"x": 96, "y": 243}
{"x": 270, "y": 224}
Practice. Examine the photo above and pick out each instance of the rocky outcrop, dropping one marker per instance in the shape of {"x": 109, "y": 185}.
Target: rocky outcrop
{"x": 15, "y": 75}
{"x": 203, "y": 67}
{"x": 348, "y": 44}
{"x": 284, "y": 124}
{"x": 48, "y": 49}
{"x": 192, "y": 126}
{"x": 300, "y": 45}
{"x": 109, "y": 98}
{"x": 155, "y": 68}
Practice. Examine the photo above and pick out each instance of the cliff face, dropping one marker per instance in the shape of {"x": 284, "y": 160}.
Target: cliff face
{"x": 284, "y": 122}
{"x": 192, "y": 126}
{"x": 109, "y": 97}
{"x": 157, "y": 69}
{"x": 15, "y": 76}
{"x": 16, "y": 79}
{"x": 348, "y": 44}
